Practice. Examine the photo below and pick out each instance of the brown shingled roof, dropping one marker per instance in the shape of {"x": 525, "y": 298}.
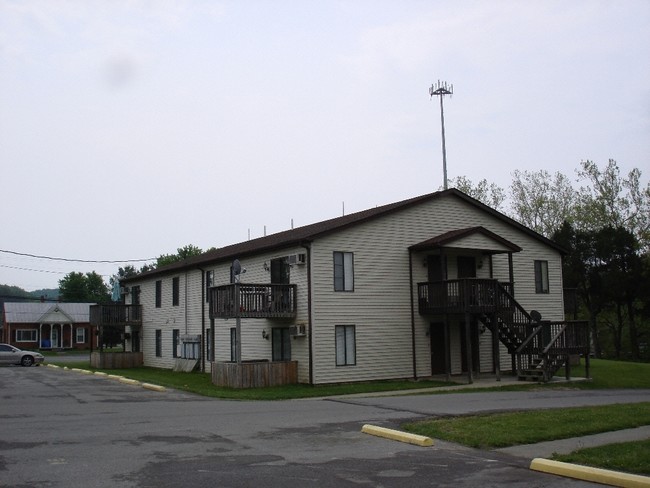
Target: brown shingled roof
{"x": 307, "y": 233}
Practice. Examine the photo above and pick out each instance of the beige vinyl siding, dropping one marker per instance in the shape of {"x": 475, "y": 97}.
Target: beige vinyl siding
{"x": 254, "y": 346}
{"x": 379, "y": 307}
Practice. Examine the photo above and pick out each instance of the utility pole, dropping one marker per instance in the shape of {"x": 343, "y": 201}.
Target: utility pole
{"x": 441, "y": 89}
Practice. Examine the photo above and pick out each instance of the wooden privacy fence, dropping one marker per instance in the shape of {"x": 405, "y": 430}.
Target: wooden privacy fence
{"x": 115, "y": 360}
{"x": 254, "y": 374}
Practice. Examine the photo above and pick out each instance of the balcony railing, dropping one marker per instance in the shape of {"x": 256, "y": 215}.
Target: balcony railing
{"x": 473, "y": 295}
{"x": 255, "y": 301}
{"x": 115, "y": 314}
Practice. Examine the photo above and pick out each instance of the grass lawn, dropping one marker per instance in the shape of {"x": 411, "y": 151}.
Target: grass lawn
{"x": 201, "y": 384}
{"x": 631, "y": 457}
{"x": 510, "y": 429}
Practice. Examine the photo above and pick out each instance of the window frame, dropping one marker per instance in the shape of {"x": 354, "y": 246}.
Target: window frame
{"x": 158, "y": 293}
{"x": 158, "y": 343}
{"x": 280, "y": 344}
{"x": 348, "y": 356}
{"x": 32, "y": 333}
{"x": 176, "y": 335}
{"x": 209, "y": 280}
{"x": 79, "y": 330}
{"x": 176, "y": 291}
{"x": 343, "y": 264}
{"x": 542, "y": 285}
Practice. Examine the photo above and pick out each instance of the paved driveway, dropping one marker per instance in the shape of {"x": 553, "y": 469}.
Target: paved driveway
{"x": 65, "y": 429}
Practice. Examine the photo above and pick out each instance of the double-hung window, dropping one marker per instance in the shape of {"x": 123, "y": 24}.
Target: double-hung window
{"x": 158, "y": 343}
{"x": 541, "y": 277}
{"x": 343, "y": 271}
{"x": 346, "y": 354}
{"x": 175, "y": 342}
{"x": 81, "y": 335}
{"x": 158, "y": 293}
{"x": 175, "y": 291}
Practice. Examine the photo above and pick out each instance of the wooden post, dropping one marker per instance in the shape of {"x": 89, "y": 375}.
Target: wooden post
{"x": 237, "y": 322}
{"x": 468, "y": 348}
{"x": 496, "y": 355}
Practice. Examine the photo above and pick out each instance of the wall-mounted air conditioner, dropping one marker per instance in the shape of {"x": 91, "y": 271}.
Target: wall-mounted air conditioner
{"x": 300, "y": 258}
{"x": 298, "y": 330}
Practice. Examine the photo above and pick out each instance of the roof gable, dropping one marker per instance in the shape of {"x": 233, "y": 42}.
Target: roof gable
{"x": 457, "y": 238}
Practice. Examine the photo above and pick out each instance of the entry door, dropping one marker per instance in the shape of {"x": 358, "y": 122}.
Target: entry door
{"x": 438, "y": 348}
{"x": 466, "y": 267}
{"x": 281, "y": 344}
{"x": 55, "y": 337}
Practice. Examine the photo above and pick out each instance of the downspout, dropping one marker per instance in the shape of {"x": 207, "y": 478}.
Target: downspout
{"x": 512, "y": 274}
{"x": 415, "y": 371}
{"x": 307, "y": 247}
{"x": 203, "y": 348}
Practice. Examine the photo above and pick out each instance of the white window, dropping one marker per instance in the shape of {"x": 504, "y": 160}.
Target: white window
{"x": 26, "y": 335}
{"x": 541, "y": 277}
{"x": 81, "y": 335}
{"x": 343, "y": 271}
{"x": 345, "y": 345}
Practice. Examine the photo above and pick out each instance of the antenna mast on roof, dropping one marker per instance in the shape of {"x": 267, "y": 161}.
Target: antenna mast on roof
{"x": 441, "y": 89}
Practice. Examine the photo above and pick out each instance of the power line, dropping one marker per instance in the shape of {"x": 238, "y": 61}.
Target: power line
{"x": 79, "y": 260}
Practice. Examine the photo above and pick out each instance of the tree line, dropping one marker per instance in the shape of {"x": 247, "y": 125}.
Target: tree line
{"x": 602, "y": 219}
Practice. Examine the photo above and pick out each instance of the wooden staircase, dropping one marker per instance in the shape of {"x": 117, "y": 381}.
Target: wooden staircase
{"x": 539, "y": 348}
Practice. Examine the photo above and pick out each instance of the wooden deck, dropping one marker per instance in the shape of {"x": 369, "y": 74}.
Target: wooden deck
{"x": 249, "y": 300}
{"x": 115, "y": 315}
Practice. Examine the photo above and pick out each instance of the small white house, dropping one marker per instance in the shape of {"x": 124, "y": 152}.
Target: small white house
{"x": 437, "y": 284}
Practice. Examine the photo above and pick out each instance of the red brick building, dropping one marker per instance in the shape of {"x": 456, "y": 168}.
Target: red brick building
{"x": 47, "y": 325}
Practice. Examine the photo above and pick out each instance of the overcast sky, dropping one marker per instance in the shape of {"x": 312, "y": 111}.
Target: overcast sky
{"x": 129, "y": 129}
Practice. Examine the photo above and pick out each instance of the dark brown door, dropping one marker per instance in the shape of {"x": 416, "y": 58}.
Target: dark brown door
{"x": 466, "y": 267}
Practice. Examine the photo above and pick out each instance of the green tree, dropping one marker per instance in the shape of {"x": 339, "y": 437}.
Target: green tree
{"x": 608, "y": 199}
{"x": 80, "y": 287}
{"x": 490, "y": 194}
{"x": 542, "y": 201}
{"x": 182, "y": 253}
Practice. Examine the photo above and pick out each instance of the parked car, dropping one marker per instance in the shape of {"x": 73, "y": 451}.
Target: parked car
{"x": 12, "y": 355}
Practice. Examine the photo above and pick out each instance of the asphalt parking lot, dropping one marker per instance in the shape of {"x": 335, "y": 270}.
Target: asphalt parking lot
{"x": 65, "y": 429}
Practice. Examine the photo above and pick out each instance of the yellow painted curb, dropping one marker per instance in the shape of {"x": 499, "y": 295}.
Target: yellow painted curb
{"x": 586, "y": 473}
{"x": 149, "y": 386}
{"x": 83, "y": 371}
{"x": 100, "y": 373}
{"x": 129, "y": 381}
{"x": 53, "y": 366}
{"x": 115, "y": 376}
{"x": 396, "y": 435}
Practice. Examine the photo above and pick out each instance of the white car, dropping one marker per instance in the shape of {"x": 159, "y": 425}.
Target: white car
{"x": 12, "y": 355}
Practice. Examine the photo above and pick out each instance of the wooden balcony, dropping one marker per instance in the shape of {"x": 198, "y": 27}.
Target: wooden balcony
{"x": 115, "y": 315}
{"x": 248, "y": 300}
{"x": 472, "y": 295}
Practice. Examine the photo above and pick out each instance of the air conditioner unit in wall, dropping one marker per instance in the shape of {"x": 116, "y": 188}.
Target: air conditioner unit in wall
{"x": 298, "y": 331}
{"x": 300, "y": 258}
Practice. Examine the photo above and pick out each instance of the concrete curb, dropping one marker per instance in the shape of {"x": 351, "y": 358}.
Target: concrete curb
{"x": 128, "y": 381}
{"x": 82, "y": 371}
{"x": 396, "y": 435}
{"x": 149, "y": 386}
{"x": 586, "y": 473}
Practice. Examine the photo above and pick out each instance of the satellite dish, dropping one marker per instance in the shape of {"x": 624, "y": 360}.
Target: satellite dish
{"x": 535, "y": 315}
{"x": 236, "y": 267}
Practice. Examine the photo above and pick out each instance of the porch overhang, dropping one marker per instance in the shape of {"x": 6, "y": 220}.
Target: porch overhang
{"x": 478, "y": 238}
